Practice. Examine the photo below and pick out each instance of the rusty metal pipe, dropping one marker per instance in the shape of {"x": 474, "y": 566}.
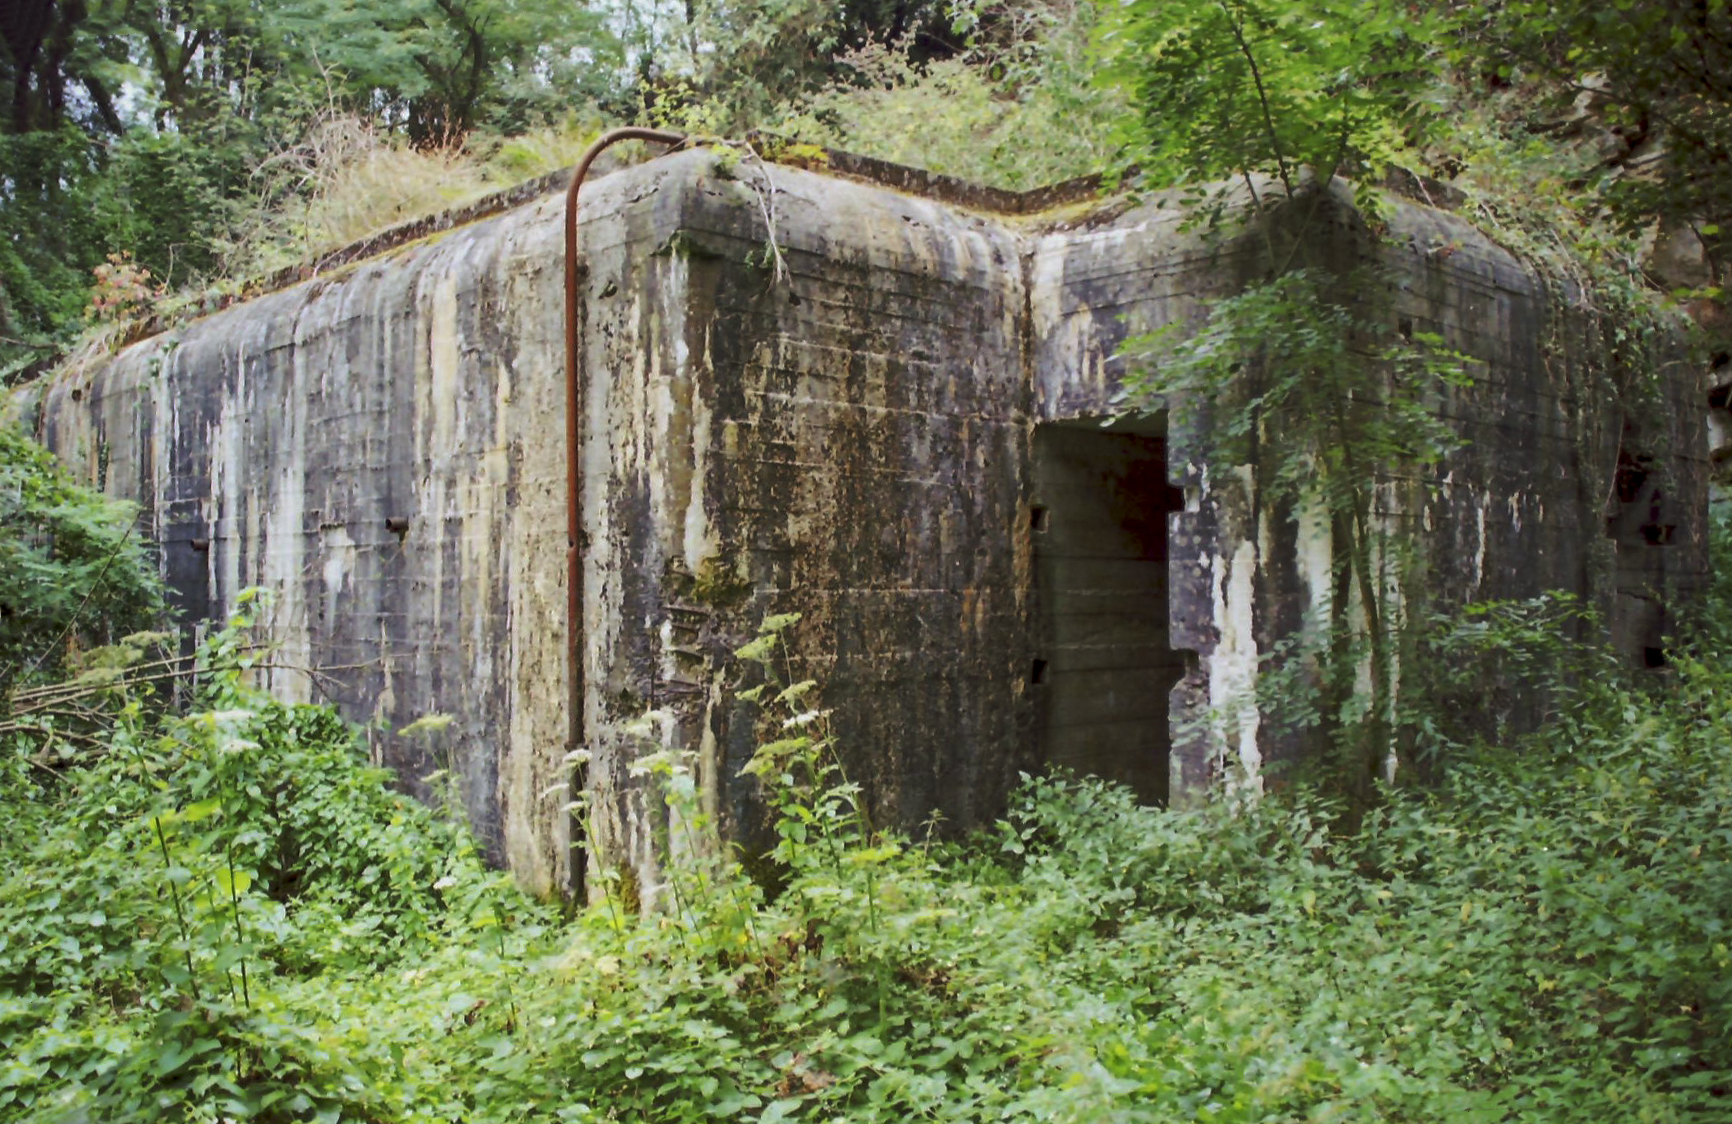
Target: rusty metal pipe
{"x": 574, "y": 543}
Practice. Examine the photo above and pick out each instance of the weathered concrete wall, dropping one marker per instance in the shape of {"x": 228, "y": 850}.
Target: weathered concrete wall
{"x": 838, "y": 450}
{"x": 1528, "y": 502}
{"x": 276, "y": 444}
{"x": 853, "y": 441}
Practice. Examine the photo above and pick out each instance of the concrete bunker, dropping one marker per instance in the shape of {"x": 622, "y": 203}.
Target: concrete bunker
{"x": 868, "y": 439}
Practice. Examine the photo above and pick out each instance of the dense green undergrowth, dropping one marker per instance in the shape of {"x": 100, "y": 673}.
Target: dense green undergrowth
{"x": 213, "y": 909}
{"x": 228, "y": 916}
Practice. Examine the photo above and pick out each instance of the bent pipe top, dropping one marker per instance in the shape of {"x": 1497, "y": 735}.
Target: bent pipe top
{"x": 574, "y": 483}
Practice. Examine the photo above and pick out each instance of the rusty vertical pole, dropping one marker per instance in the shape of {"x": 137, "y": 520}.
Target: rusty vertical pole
{"x": 574, "y": 537}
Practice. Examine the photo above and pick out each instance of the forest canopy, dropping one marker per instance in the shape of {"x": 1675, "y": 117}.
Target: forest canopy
{"x": 188, "y": 144}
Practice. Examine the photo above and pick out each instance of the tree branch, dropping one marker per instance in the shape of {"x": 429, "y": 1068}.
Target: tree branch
{"x": 1262, "y": 97}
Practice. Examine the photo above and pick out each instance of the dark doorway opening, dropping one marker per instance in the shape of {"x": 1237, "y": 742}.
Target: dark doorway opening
{"x": 1104, "y": 663}
{"x": 1640, "y": 516}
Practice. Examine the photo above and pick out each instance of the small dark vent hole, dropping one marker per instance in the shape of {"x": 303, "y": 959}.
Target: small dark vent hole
{"x": 1720, "y": 359}
{"x": 397, "y": 526}
{"x": 1717, "y": 398}
{"x": 1632, "y": 474}
{"x": 200, "y": 546}
{"x": 1037, "y": 674}
{"x": 1658, "y": 534}
{"x": 1653, "y": 657}
{"x": 1037, "y": 518}
{"x": 1405, "y": 327}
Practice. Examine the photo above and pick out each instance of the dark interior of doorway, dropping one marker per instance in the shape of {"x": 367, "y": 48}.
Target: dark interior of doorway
{"x": 1103, "y": 661}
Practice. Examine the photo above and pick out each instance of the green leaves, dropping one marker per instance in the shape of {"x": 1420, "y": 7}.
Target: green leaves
{"x": 1233, "y": 89}
{"x": 170, "y": 132}
{"x": 445, "y": 67}
{"x": 167, "y": 890}
{"x": 1255, "y": 107}
{"x": 1289, "y": 357}
{"x": 72, "y": 570}
{"x": 1543, "y": 937}
{"x": 1641, "y": 80}
{"x": 1546, "y": 938}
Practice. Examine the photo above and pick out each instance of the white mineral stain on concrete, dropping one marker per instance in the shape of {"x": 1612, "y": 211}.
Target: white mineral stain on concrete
{"x": 445, "y": 355}
{"x": 1233, "y": 667}
{"x": 1069, "y": 335}
{"x": 1481, "y": 510}
{"x": 1316, "y": 561}
{"x": 228, "y": 460}
{"x": 339, "y": 551}
{"x": 386, "y": 703}
{"x": 1393, "y": 614}
{"x": 530, "y": 414}
{"x": 284, "y": 532}
{"x": 699, "y": 538}
{"x": 436, "y": 432}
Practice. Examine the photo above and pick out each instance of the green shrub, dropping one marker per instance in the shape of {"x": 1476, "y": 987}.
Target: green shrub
{"x": 1543, "y": 937}
{"x": 49, "y": 241}
{"x": 160, "y": 892}
{"x": 73, "y": 570}
{"x": 229, "y": 916}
